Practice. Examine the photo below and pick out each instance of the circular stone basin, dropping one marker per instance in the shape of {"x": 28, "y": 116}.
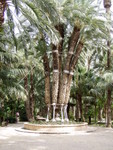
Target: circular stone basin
{"x": 56, "y": 129}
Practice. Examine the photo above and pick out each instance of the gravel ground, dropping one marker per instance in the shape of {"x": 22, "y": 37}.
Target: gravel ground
{"x": 95, "y": 138}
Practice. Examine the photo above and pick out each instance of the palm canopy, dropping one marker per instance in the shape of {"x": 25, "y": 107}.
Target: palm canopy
{"x": 42, "y": 15}
{"x": 86, "y": 16}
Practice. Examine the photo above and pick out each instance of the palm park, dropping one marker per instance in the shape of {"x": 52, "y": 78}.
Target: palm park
{"x": 56, "y": 60}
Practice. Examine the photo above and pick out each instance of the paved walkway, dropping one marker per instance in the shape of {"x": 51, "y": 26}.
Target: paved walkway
{"x": 92, "y": 139}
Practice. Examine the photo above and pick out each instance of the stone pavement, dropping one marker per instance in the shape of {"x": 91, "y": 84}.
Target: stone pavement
{"x": 92, "y": 139}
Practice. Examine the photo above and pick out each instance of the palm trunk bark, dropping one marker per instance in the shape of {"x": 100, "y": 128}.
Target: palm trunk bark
{"x": 47, "y": 79}
{"x": 55, "y": 83}
{"x": 60, "y": 29}
{"x": 95, "y": 113}
{"x": 31, "y": 98}
{"x": 27, "y": 101}
{"x": 100, "y": 114}
{"x": 69, "y": 77}
{"x": 47, "y": 84}
{"x": 108, "y": 118}
{"x": 80, "y": 107}
{"x": 77, "y": 109}
{"x": 72, "y": 66}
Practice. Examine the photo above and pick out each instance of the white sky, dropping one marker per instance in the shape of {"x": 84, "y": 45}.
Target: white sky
{"x": 102, "y": 6}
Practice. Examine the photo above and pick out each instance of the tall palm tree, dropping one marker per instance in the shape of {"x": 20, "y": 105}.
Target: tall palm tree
{"x": 71, "y": 45}
{"x": 80, "y": 24}
{"x": 107, "y": 5}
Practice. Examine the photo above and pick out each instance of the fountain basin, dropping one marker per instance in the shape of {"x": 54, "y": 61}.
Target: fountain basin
{"x": 56, "y": 129}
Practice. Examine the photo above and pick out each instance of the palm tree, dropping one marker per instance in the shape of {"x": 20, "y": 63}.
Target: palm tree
{"x": 107, "y": 5}
{"x": 76, "y": 41}
{"x": 47, "y": 83}
{"x": 70, "y": 45}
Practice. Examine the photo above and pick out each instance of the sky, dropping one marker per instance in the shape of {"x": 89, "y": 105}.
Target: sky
{"x": 102, "y": 6}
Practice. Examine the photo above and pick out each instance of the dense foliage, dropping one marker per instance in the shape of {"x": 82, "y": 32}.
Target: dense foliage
{"x": 81, "y": 33}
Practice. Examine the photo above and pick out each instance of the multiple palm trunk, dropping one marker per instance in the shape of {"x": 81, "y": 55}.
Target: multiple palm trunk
{"x": 62, "y": 71}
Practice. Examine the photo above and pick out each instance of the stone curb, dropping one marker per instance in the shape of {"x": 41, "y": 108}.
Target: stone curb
{"x": 46, "y": 132}
{"x": 41, "y": 132}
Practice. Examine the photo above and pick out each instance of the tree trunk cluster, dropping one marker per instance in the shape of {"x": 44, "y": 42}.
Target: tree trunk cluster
{"x": 62, "y": 71}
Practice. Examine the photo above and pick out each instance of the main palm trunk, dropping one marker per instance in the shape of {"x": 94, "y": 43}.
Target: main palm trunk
{"x": 72, "y": 65}
{"x": 77, "y": 114}
{"x": 47, "y": 79}
{"x": 31, "y": 98}
{"x": 80, "y": 106}
{"x": 108, "y": 117}
{"x": 55, "y": 83}
{"x": 60, "y": 29}
{"x": 65, "y": 83}
{"x": 30, "y": 102}
{"x": 57, "y": 65}
{"x": 47, "y": 84}
{"x": 27, "y": 100}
